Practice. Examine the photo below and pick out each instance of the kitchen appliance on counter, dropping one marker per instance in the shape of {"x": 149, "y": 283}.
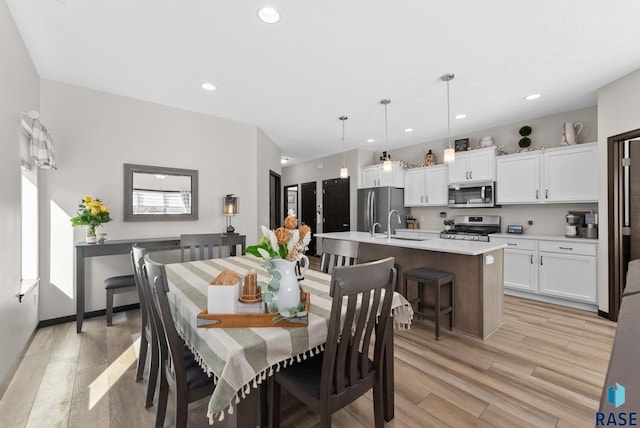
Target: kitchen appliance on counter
{"x": 581, "y": 224}
{"x": 472, "y": 195}
{"x": 374, "y": 205}
{"x": 472, "y": 227}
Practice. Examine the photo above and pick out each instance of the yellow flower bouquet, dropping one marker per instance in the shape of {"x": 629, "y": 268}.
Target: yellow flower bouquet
{"x": 91, "y": 213}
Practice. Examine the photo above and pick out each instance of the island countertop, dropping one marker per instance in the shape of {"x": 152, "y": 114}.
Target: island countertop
{"x": 468, "y": 248}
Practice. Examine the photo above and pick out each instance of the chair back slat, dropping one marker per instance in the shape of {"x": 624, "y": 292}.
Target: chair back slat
{"x": 336, "y": 253}
{"x": 200, "y": 246}
{"x": 137, "y": 262}
{"x": 361, "y": 306}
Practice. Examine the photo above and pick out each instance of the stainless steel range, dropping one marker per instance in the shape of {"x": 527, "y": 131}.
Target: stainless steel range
{"x": 472, "y": 227}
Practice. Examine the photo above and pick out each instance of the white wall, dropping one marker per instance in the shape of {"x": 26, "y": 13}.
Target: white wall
{"x": 618, "y": 112}
{"x": 19, "y": 86}
{"x": 96, "y": 133}
{"x": 268, "y": 160}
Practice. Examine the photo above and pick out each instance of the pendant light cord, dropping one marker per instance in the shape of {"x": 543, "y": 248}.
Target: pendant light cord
{"x": 386, "y": 128}
{"x": 344, "y": 161}
{"x": 448, "y": 115}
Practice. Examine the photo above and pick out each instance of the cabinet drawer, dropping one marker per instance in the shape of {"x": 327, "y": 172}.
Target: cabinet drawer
{"x": 568, "y": 248}
{"x": 516, "y": 244}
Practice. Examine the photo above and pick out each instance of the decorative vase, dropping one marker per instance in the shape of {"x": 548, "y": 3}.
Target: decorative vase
{"x": 288, "y": 295}
{"x": 91, "y": 234}
{"x": 429, "y": 158}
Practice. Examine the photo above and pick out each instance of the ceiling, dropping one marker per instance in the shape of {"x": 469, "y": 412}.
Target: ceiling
{"x": 330, "y": 58}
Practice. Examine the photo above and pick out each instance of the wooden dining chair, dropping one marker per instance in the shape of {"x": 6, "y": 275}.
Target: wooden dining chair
{"x": 338, "y": 253}
{"x": 147, "y": 330}
{"x": 179, "y": 369}
{"x": 200, "y": 246}
{"x": 351, "y": 363}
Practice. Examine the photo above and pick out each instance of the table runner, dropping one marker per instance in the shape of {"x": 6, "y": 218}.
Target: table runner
{"x": 239, "y": 359}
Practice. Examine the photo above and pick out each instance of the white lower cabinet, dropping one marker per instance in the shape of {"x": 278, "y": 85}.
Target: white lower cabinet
{"x": 568, "y": 270}
{"x": 560, "y": 269}
{"x": 520, "y": 264}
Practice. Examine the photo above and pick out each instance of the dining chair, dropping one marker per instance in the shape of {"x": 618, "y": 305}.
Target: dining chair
{"x": 200, "y": 246}
{"x": 179, "y": 370}
{"x": 116, "y": 285}
{"x": 147, "y": 330}
{"x": 351, "y": 362}
{"x": 338, "y": 253}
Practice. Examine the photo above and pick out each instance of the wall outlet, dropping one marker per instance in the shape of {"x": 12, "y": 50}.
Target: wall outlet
{"x": 530, "y": 222}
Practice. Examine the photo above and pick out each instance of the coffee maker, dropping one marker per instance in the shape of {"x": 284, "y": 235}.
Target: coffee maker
{"x": 581, "y": 224}
{"x": 574, "y": 221}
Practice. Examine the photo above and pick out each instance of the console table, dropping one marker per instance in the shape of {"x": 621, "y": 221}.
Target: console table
{"x": 109, "y": 248}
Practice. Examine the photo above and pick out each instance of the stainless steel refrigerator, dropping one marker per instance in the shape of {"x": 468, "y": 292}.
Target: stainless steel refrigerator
{"x": 374, "y": 205}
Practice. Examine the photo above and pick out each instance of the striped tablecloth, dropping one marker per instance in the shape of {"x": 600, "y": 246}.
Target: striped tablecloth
{"x": 241, "y": 358}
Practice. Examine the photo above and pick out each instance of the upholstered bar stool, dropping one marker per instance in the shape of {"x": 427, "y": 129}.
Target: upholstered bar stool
{"x": 116, "y": 285}
{"x": 435, "y": 279}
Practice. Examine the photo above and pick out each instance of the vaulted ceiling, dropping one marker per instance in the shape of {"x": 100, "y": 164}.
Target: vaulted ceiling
{"x": 328, "y": 58}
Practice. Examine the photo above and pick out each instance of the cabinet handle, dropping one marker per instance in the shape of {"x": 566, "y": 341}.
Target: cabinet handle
{"x": 426, "y": 199}
{"x": 546, "y": 193}
{"x": 566, "y": 248}
{"x": 512, "y": 244}
{"x": 537, "y": 194}
{"x": 470, "y": 175}
{"x": 531, "y": 258}
{"x": 541, "y": 261}
{"x": 466, "y": 174}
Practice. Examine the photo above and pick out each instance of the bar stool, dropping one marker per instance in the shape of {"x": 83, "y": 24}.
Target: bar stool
{"x": 436, "y": 279}
{"x": 117, "y": 285}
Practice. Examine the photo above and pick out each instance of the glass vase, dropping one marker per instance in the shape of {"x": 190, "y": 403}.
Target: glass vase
{"x": 91, "y": 234}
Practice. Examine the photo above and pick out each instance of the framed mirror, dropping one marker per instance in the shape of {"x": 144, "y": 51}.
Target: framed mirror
{"x": 155, "y": 193}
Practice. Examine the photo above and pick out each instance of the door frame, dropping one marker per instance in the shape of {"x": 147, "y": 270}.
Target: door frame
{"x": 616, "y": 267}
{"x": 275, "y": 197}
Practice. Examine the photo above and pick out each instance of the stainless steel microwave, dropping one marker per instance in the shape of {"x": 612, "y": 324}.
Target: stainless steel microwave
{"x": 472, "y": 195}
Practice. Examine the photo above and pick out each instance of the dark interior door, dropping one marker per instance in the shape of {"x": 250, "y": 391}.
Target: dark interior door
{"x": 308, "y": 211}
{"x": 335, "y": 200}
{"x": 275, "y": 192}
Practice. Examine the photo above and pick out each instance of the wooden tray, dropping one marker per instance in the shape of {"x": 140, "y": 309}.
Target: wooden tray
{"x": 207, "y": 320}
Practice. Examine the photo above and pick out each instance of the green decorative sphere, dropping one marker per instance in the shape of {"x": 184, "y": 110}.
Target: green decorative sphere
{"x": 524, "y": 142}
{"x": 525, "y": 131}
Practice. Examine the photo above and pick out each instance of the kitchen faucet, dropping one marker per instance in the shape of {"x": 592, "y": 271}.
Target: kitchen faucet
{"x": 373, "y": 229}
{"x": 389, "y": 222}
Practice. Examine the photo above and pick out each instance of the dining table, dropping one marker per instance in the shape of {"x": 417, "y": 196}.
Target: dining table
{"x": 241, "y": 359}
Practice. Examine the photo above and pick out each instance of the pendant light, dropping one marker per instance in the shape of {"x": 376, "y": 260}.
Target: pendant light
{"x": 449, "y": 153}
{"x": 386, "y": 165}
{"x": 344, "y": 172}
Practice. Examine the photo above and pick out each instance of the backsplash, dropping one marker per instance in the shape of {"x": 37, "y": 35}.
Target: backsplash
{"x": 548, "y": 219}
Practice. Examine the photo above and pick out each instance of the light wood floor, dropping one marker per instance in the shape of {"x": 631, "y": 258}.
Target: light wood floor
{"x": 544, "y": 367}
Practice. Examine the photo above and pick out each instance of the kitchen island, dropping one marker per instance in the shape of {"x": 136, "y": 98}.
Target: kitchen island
{"x": 477, "y": 266}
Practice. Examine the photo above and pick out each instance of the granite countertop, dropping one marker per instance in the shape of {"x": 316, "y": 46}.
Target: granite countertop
{"x": 468, "y": 248}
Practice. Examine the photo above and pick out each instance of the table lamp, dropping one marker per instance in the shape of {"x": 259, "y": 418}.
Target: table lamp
{"x": 230, "y": 209}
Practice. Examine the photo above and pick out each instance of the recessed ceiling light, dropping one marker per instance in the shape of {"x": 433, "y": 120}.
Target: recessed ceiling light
{"x": 532, "y": 97}
{"x": 371, "y": 140}
{"x": 283, "y": 161}
{"x": 268, "y": 15}
{"x": 460, "y": 116}
{"x": 408, "y": 130}
{"x": 209, "y": 86}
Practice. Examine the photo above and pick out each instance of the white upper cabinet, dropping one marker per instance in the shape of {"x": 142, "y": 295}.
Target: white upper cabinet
{"x": 558, "y": 175}
{"x": 518, "y": 178}
{"x": 374, "y": 176}
{"x": 472, "y": 166}
{"x": 426, "y": 186}
{"x": 570, "y": 174}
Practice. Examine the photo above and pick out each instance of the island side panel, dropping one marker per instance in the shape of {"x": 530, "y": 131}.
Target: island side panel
{"x": 469, "y": 277}
{"x": 493, "y": 292}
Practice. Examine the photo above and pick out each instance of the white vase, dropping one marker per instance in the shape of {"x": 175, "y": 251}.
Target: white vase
{"x": 288, "y": 295}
